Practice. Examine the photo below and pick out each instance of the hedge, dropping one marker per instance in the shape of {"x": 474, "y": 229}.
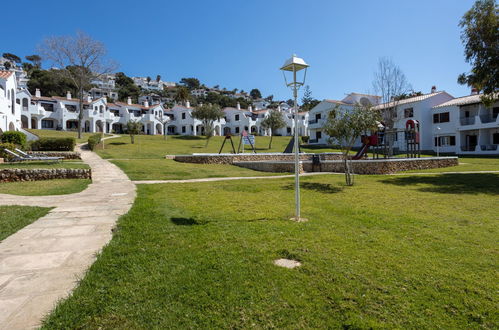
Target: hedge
{"x": 10, "y": 146}
{"x": 54, "y": 144}
{"x": 94, "y": 140}
{"x": 17, "y": 138}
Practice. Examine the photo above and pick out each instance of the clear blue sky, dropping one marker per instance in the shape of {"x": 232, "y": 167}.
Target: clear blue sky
{"x": 241, "y": 44}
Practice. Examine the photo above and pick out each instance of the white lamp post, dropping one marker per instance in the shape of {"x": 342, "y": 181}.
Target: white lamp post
{"x": 293, "y": 65}
{"x": 438, "y": 141}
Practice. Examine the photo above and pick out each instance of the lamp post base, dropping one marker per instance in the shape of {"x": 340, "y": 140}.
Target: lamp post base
{"x": 298, "y": 219}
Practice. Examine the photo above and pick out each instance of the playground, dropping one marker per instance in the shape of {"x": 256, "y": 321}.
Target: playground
{"x": 379, "y": 144}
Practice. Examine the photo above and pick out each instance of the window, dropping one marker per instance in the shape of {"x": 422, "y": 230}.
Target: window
{"x": 444, "y": 141}
{"x": 288, "y": 130}
{"x": 237, "y": 118}
{"x": 47, "y": 123}
{"x": 318, "y": 135}
{"x": 237, "y": 130}
{"x": 408, "y": 113}
{"x": 441, "y": 117}
{"x": 101, "y": 109}
{"x": 495, "y": 112}
{"x": 48, "y": 106}
{"x": 317, "y": 116}
{"x": 71, "y": 108}
{"x": 183, "y": 129}
{"x": 183, "y": 117}
{"x": 495, "y": 138}
{"x": 18, "y": 101}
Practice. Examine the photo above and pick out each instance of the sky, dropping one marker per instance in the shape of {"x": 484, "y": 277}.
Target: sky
{"x": 243, "y": 43}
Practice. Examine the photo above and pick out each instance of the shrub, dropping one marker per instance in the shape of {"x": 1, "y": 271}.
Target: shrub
{"x": 7, "y": 145}
{"x": 305, "y": 139}
{"x": 94, "y": 140}
{"x": 17, "y": 138}
{"x": 54, "y": 144}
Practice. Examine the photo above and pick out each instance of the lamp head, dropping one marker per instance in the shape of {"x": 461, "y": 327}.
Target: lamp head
{"x": 294, "y": 63}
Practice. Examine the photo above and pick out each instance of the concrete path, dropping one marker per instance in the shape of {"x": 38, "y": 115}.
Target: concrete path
{"x": 41, "y": 263}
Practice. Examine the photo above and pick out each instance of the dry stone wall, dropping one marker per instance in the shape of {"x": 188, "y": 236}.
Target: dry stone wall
{"x": 65, "y": 154}
{"x": 377, "y": 166}
{"x": 36, "y": 174}
{"x": 232, "y": 158}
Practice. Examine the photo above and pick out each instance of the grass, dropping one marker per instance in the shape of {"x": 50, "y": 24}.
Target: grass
{"x": 391, "y": 252}
{"x": 13, "y": 218}
{"x": 37, "y": 164}
{"x": 54, "y": 133}
{"x": 167, "y": 169}
{"x": 154, "y": 146}
{"x": 42, "y": 188}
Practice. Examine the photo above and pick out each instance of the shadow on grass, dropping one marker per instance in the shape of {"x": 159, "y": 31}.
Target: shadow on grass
{"x": 189, "y": 137}
{"x": 480, "y": 183}
{"x": 315, "y": 186}
{"x": 117, "y": 143}
{"x": 186, "y": 222}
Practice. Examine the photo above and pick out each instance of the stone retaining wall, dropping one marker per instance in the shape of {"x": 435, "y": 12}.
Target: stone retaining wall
{"x": 375, "y": 166}
{"x": 65, "y": 154}
{"x": 232, "y": 158}
{"x": 36, "y": 174}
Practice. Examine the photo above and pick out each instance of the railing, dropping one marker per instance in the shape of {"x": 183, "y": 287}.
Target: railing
{"x": 468, "y": 148}
{"x": 312, "y": 121}
{"x": 25, "y": 108}
{"x": 488, "y": 118}
{"x": 489, "y": 147}
{"x": 313, "y": 141}
{"x": 467, "y": 121}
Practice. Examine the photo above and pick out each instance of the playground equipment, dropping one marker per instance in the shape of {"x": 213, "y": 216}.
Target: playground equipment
{"x": 367, "y": 141}
{"x": 412, "y": 139}
{"x": 379, "y": 141}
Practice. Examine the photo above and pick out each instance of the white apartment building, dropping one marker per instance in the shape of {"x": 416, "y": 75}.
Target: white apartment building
{"x": 200, "y": 92}
{"x": 10, "y": 109}
{"x": 61, "y": 113}
{"x": 464, "y": 125}
{"x": 317, "y": 116}
{"x": 181, "y": 121}
{"x": 152, "y": 85}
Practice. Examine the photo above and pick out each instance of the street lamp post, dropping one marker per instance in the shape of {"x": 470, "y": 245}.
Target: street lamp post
{"x": 294, "y": 65}
{"x": 438, "y": 141}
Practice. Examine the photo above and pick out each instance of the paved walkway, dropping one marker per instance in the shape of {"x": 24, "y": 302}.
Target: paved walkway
{"x": 42, "y": 262}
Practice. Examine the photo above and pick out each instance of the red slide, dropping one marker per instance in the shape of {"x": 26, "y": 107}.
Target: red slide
{"x": 361, "y": 152}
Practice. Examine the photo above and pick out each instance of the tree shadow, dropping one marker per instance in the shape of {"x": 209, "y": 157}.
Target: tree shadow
{"x": 480, "y": 183}
{"x": 315, "y": 186}
{"x": 117, "y": 143}
{"x": 187, "y": 222}
{"x": 189, "y": 137}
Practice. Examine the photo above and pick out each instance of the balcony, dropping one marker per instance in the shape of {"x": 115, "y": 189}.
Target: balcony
{"x": 488, "y": 118}
{"x": 488, "y": 147}
{"x": 313, "y": 141}
{"x": 467, "y": 121}
{"x": 468, "y": 148}
{"x": 312, "y": 121}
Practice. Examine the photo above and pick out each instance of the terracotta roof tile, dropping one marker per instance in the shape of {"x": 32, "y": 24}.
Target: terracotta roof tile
{"x": 5, "y": 74}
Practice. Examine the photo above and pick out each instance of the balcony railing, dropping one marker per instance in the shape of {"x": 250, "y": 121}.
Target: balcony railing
{"x": 312, "y": 121}
{"x": 489, "y": 147}
{"x": 468, "y": 148}
{"x": 467, "y": 121}
{"x": 488, "y": 118}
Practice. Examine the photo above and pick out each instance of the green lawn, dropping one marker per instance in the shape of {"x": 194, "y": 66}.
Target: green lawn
{"x": 391, "y": 252}
{"x": 37, "y": 164}
{"x": 45, "y": 187}
{"x": 13, "y": 218}
{"x": 154, "y": 146}
{"x": 54, "y": 133}
{"x": 167, "y": 169}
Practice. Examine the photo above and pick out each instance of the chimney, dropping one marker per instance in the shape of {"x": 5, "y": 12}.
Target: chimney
{"x": 238, "y": 106}
{"x": 279, "y": 108}
{"x": 38, "y": 93}
{"x": 433, "y": 89}
{"x": 129, "y": 100}
{"x": 146, "y": 104}
{"x": 250, "y": 108}
{"x": 89, "y": 98}
{"x": 256, "y": 108}
{"x": 187, "y": 104}
{"x": 474, "y": 91}
{"x": 68, "y": 95}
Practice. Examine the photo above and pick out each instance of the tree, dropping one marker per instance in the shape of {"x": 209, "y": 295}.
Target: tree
{"x": 148, "y": 79}
{"x": 274, "y": 121}
{"x": 190, "y": 83}
{"x": 480, "y": 37}
{"x": 133, "y": 128}
{"x": 158, "y": 78}
{"x": 346, "y": 126}
{"x": 126, "y": 87}
{"x": 208, "y": 113}
{"x": 389, "y": 83}
{"x": 255, "y": 94}
{"x": 182, "y": 94}
{"x": 50, "y": 82}
{"x": 81, "y": 59}
{"x": 12, "y": 58}
{"x": 35, "y": 59}
{"x": 307, "y": 101}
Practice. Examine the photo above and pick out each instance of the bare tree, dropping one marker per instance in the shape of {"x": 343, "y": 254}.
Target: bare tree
{"x": 81, "y": 59}
{"x": 390, "y": 83}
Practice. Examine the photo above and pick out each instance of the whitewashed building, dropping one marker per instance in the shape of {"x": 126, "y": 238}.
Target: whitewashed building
{"x": 464, "y": 125}
{"x": 10, "y": 109}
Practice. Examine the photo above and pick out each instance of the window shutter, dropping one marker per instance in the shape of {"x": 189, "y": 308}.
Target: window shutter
{"x": 452, "y": 140}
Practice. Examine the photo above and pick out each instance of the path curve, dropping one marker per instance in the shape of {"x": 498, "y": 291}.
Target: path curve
{"x": 41, "y": 263}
